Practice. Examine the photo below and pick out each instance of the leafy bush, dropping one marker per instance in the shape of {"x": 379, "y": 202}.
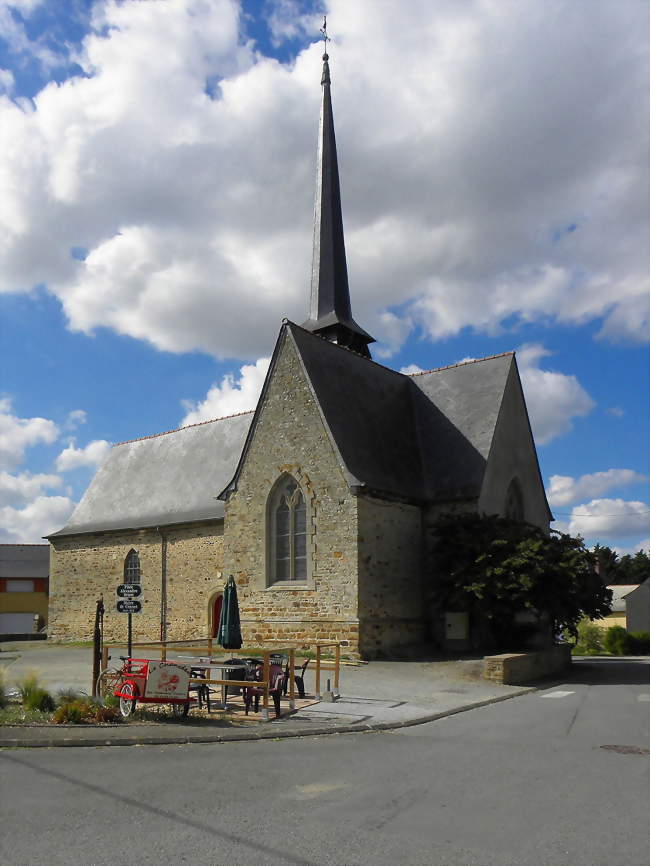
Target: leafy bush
{"x": 84, "y": 711}
{"x": 616, "y": 640}
{"x": 640, "y": 641}
{"x": 590, "y": 639}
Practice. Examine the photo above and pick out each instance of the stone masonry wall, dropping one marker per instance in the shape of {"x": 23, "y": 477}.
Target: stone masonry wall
{"x": 290, "y": 437}
{"x": 83, "y": 566}
{"x": 391, "y": 603}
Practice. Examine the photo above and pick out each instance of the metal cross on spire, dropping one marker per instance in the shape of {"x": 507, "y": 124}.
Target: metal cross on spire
{"x": 326, "y": 38}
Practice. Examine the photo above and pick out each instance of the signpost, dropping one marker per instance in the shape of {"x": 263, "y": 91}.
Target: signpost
{"x": 127, "y": 602}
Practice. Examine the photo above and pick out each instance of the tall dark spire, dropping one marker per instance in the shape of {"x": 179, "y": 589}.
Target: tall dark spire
{"x": 330, "y": 314}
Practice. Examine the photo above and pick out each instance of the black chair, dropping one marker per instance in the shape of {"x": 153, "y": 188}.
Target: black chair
{"x": 253, "y": 693}
{"x": 202, "y": 690}
{"x": 298, "y": 678}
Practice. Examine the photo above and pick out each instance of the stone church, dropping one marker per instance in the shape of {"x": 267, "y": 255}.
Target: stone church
{"x": 321, "y": 502}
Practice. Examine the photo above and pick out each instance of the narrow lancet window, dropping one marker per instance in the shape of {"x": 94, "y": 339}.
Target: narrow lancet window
{"x": 132, "y": 567}
{"x": 288, "y": 532}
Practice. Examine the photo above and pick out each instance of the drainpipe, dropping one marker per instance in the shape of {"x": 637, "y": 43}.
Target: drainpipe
{"x": 163, "y": 584}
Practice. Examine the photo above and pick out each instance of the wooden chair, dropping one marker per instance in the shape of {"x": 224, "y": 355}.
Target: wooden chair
{"x": 252, "y": 693}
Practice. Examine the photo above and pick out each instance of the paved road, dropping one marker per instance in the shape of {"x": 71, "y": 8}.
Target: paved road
{"x": 524, "y": 782}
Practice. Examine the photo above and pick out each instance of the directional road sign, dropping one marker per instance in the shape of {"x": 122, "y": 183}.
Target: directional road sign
{"x": 129, "y": 590}
{"x": 129, "y": 605}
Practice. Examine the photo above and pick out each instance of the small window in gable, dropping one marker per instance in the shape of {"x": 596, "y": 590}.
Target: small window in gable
{"x": 287, "y": 528}
{"x": 132, "y": 567}
{"x": 514, "y": 507}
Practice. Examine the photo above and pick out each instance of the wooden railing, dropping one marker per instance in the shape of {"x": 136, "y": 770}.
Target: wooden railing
{"x": 208, "y": 646}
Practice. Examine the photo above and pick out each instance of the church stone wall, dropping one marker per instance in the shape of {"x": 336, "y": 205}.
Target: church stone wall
{"x": 512, "y": 455}
{"x": 83, "y": 567}
{"x": 391, "y": 601}
{"x": 290, "y": 437}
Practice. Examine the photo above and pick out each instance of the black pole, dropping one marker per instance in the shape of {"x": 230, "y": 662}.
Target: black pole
{"x": 130, "y": 641}
{"x": 97, "y": 643}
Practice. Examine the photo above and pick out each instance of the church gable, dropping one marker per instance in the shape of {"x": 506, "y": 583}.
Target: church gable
{"x": 290, "y": 476}
{"x": 513, "y": 485}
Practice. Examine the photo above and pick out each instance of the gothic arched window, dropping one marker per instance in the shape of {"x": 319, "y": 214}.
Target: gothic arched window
{"x": 287, "y": 524}
{"x": 514, "y": 507}
{"x": 132, "y": 567}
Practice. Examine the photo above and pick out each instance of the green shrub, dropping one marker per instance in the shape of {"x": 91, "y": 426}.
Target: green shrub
{"x": 616, "y": 640}
{"x": 639, "y": 643}
{"x": 39, "y": 699}
{"x": 4, "y": 700}
{"x": 27, "y": 684}
{"x": 84, "y": 710}
{"x": 590, "y": 639}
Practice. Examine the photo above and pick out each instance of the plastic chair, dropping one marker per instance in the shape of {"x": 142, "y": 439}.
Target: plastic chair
{"x": 298, "y": 678}
{"x": 276, "y": 684}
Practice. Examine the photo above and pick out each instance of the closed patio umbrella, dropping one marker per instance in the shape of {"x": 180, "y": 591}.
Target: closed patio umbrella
{"x": 229, "y": 635}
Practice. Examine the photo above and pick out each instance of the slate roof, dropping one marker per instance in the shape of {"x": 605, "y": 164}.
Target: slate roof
{"x": 418, "y": 438}
{"x": 24, "y": 560}
{"x": 160, "y": 480}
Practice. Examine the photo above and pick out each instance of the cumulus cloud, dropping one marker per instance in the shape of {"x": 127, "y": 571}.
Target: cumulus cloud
{"x": 553, "y": 399}
{"x": 514, "y": 146}
{"x": 643, "y": 545}
{"x": 411, "y": 369}
{"x": 609, "y": 518}
{"x": 92, "y": 455}
{"x": 75, "y": 418}
{"x": 564, "y": 489}
{"x": 29, "y": 524}
{"x": 22, "y": 488}
{"x": 17, "y": 434}
{"x": 232, "y": 395}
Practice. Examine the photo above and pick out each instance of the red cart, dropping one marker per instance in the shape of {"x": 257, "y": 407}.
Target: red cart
{"x": 148, "y": 681}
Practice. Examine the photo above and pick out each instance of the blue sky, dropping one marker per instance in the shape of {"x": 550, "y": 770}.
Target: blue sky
{"x": 156, "y": 179}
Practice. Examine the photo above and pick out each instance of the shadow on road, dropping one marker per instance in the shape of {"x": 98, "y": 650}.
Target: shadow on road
{"x": 601, "y": 672}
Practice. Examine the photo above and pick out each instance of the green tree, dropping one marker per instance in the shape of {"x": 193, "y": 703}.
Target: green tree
{"x": 495, "y": 568}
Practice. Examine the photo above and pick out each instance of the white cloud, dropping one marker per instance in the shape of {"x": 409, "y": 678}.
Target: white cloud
{"x": 610, "y": 518}
{"x": 564, "y": 489}
{"x": 17, "y": 434}
{"x": 40, "y": 517}
{"x": 643, "y": 545}
{"x": 92, "y": 455}
{"x": 22, "y": 488}
{"x": 411, "y": 369}
{"x": 231, "y": 396}
{"x": 75, "y": 418}
{"x": 483, "y": 202}
{"x": 616, "y": 411}
{"x": 553, "y": 399}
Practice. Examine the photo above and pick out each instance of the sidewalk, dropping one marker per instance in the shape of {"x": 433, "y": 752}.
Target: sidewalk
{"x": 374, "y": 697}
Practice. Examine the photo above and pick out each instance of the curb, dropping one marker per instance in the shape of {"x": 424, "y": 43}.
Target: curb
{"x": 265, "y": 734}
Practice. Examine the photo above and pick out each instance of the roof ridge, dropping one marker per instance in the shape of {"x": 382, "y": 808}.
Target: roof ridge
{"x": 185, "y": 427}
{"x": 460, "y": 364}
{"x": 22, "y": 544}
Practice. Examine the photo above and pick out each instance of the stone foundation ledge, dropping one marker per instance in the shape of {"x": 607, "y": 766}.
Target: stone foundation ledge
{"x": 516, "y": 668}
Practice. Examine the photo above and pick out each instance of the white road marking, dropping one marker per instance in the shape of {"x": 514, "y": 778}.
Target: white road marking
{"x": 557, "y": 694}
{"x": 643, "y": 698}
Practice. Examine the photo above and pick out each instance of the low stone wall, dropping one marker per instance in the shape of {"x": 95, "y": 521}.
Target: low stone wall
{"x": 516, "y": 668}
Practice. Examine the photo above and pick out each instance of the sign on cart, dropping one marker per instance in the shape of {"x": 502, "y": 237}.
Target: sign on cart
{"x": 129, "y": 605}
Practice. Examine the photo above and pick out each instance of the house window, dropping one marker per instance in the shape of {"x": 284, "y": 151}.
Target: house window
{"x": 132, "y": 567}
{"x": 287, "y": 523}
{"x": 514, "y": 508}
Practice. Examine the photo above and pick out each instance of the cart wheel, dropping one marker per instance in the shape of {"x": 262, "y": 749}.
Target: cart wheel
{"x": 127, "y": 704}
{"x": 107, "y": 682}
{"x": 181, "y": 710}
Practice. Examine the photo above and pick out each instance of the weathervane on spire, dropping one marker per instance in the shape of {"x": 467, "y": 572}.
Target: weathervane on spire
{"x": 326, "y": 38}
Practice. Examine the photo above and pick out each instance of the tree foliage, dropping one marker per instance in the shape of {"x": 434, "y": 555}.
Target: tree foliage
{"x": 495, "y": 568}
{"x": 627, "y": 569}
